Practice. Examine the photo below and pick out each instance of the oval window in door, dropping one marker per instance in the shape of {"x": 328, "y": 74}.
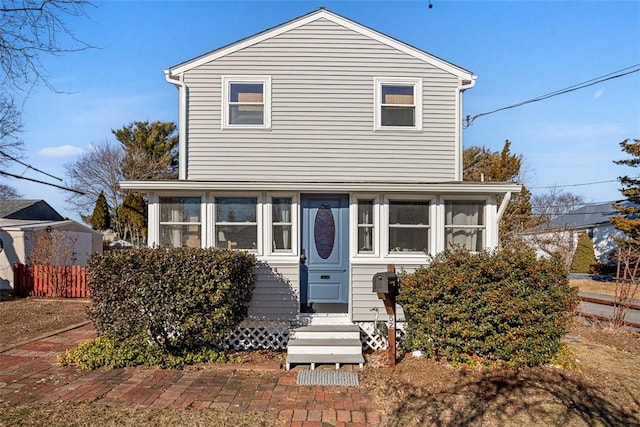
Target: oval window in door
{"x": 324, "y": 231}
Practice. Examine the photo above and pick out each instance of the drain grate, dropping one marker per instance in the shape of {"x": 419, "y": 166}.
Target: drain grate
{"x": 331, "y": 378}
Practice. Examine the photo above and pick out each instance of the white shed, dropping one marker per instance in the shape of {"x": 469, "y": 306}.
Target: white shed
{"x": 16, "y": 241}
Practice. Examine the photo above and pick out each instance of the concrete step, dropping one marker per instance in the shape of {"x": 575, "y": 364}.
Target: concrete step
{"x": 313, "y": 360}
{"x": 326, "y": 332}
{"x": 324, "y": 346}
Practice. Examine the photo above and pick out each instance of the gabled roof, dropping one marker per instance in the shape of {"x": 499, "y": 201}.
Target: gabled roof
{"x": 322, "y": 13}
{"x": 26, "y": 209}
{"x": 587, "y": 216}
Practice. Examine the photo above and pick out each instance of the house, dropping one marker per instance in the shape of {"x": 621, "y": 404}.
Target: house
{"x": 23, "y": 209}
{"x": 593, "y": 219}
{"x": 329, "y": 150}
{"x": 19, "y": 219}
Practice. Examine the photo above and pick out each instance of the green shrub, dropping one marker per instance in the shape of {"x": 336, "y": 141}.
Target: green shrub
{"x": 181, "y": 299}
{"x": 584, "y": 257}
{"x": 504, "y": 306}
{"x": 134, "y": 351}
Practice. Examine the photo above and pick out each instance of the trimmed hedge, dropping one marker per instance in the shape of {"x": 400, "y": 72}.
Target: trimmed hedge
{"x": 503, "y": 306}
{"x": 182, "y": 299}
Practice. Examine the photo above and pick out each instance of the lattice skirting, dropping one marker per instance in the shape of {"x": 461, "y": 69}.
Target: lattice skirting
{"x": 373, "y": 341}
{"x": 273, "y": 335}
{"x": 260, "y": 335}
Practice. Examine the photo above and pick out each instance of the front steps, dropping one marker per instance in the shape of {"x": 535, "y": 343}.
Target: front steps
{"x": 325, "y": 344}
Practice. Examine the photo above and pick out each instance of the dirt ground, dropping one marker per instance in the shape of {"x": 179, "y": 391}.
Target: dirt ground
{"x": 603, "y": 390}
{"x": 24, "y": 319}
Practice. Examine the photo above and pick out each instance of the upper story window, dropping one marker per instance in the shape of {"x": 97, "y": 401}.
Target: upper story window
{"x": 180, "y": 222}
{"x": 464, "y": 224}
{"x": 398, "y": 104}
{"x": 246, "y": 102}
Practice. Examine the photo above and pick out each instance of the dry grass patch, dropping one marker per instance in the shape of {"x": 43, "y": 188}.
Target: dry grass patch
{"x": 597, "y": 286}
{"x": 605, "y": 389}
{"x": 25, "y": 319}
{"x": 86, "y": 414}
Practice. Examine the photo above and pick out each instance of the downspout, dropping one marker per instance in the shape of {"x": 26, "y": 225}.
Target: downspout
{"x": 182, "y": 123}
{"x": 466, "y": 84}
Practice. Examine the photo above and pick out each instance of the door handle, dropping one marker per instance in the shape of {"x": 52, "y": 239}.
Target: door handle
{"x": 303, "y": 256}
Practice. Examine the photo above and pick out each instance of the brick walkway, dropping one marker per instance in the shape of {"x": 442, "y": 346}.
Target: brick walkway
{"x": 30, "y": 374}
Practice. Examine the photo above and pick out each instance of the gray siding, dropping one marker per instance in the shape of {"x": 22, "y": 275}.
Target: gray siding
{"x": 364, "y": 299}
{"x": 322, "y": 113}
{"x": 275, "y": 296}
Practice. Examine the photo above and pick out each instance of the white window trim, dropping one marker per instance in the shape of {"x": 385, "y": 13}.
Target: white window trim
{"x": 154, "y": 217}
{"x": 353, "y": 220}
{"x": 226, "y": 82}
{"x": 417, "y": 96}
{"x": 259, "y": 218}
{"x": 486, "y": 216}
{"x": 268, "y": 225}
{"x": 384, "y": 221}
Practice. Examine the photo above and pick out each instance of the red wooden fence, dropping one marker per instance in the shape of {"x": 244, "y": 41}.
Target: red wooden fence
{"x": 65, "y": 281}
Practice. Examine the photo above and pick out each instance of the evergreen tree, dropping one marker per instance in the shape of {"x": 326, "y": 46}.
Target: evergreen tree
{"x": 584, "y": 256}
{"x": 628, "y": 220}
{"x": 151, "y": 150}
{"x": 133, "y": 217}
{"x": 482, "y": 164}
{"x": 100, "y": 218}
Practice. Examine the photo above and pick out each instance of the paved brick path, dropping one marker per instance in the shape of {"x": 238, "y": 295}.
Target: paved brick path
{"x": 30, "y": 374}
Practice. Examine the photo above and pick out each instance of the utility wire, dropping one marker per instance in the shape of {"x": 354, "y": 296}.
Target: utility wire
{"x": 42, "y": 182}
{"x": 614, "y": 75}
{"x": 29, "y": 166}
{"x": 574, "y": 185}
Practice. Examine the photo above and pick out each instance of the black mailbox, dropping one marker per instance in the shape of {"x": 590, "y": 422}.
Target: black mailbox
{"x": 385, "y": 282}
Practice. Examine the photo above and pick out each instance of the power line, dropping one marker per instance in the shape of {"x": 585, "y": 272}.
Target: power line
{"x": 29, "y": 166}
{"x": 42, "y": 182}
{"x": 614, "y": 75}
{"x": 574, "y": 185}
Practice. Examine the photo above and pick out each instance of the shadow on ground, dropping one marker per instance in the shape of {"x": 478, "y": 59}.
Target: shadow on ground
{"x": 542, "y": 396}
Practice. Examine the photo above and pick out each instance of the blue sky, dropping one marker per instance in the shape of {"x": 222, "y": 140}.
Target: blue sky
{"x": 518, "y": 50}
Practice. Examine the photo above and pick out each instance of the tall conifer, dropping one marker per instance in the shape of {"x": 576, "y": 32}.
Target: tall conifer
{"x": 100, "y": 218}
{"x": 628, "y": 220}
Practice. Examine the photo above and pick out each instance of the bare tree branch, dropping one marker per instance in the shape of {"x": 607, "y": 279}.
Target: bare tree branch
{"x": 98, "y": 170}
{"x": 30, "y": 28}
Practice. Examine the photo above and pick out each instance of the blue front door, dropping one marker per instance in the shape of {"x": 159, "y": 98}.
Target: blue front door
{"x": 324, "y": 261}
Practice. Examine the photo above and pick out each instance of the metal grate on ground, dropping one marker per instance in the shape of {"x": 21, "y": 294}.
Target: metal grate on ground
{"x": 327, "y": 378}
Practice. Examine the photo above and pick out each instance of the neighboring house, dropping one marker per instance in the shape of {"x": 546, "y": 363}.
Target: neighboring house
{"x": 593, "y": 219}
{"x": 19, "y": 219}
{"x": 28, "y": 210}
{"x": 329, "y": 150}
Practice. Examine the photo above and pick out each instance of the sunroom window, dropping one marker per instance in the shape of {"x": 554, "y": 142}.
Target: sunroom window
{"x": 246, "y": 102}
{"x": 236, "y": 223}
{"x": 180, "y": 222}
{"x": 281, "y": 223}
{"x": 409, "y": 226}
{"x": 398, "y": 104}
{"x": 464, "y": 224}
{"x": 365, "y": 226}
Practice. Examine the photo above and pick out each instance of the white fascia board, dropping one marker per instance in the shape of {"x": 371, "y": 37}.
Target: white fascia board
{"x": 463, "y": 74}
{"x": 345, "y": 187}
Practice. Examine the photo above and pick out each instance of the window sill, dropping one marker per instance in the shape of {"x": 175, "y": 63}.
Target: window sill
{"x": 398, "y": 129}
